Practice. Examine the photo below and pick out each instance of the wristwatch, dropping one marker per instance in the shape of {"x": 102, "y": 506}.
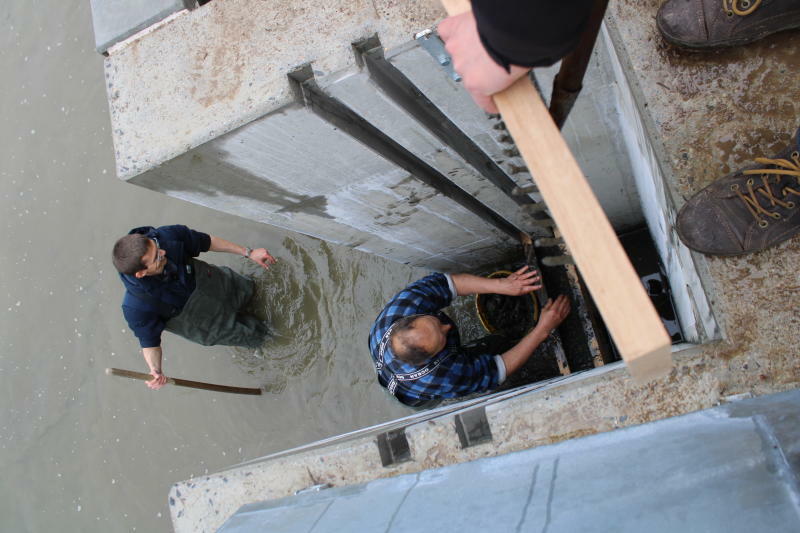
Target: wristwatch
{"x": 247, "y": 251}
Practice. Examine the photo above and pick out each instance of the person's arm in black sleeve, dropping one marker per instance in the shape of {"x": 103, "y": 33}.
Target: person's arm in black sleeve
{"x": 194, "y": 242}
{"x": 530, "y": 33}
{"x": 514, "y": 35}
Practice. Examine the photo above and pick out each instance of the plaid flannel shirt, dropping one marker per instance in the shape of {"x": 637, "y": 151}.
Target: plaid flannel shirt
{"x": 448, "y": 374}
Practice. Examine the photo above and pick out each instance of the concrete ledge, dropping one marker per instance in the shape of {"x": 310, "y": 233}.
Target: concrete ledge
{"x": 584, "y": 404}
{"x": 725, "y": 469}
{"x": 226, "y": 64}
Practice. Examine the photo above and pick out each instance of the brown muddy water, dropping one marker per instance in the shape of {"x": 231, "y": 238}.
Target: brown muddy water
{"x": 82, "y": 451}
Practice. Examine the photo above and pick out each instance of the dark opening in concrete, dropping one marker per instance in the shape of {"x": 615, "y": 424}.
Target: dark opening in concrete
{"x": 472, "y": 427}
{"x": 393, "y": 447}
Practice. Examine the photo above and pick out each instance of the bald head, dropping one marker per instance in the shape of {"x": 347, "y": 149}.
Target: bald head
{"x": 416, "y": 339}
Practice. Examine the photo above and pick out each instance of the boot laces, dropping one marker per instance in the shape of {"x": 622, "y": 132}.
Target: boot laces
{"x": 740, "y": 7}
{"x": 779, "y": 168}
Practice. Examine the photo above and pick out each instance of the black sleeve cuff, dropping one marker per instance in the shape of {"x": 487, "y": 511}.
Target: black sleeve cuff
{"x": 204, "y": 241}
{"x": 530, "y": 33}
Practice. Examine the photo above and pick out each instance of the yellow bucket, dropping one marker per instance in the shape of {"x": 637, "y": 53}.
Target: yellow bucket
{"x": 483, "y": 305}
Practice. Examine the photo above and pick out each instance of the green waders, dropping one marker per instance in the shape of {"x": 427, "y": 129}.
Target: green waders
{"x": 212, "y": 315}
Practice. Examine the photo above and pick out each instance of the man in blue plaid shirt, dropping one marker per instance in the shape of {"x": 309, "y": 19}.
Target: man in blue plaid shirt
{"x": 417, "y": 350}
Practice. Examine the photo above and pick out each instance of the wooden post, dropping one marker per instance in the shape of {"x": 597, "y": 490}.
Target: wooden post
{"x": 627, "y": 311}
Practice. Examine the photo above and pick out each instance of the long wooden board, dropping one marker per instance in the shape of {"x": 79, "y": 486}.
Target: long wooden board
{"x": 627, "y": 311}
{"x": 132, "y": 374}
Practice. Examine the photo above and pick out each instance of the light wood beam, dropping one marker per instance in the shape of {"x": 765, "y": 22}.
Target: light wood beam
{"x": 627, "y": 310}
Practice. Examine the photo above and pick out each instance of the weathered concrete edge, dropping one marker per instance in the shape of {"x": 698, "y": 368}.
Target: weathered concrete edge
{"x": 690, "y": 271}
{"x": 216, "y": 85}
{"x": 664, "y": 168}
{"x": 107, "y": 44}
{"x": 598, "y": 401}
{"x": 739, "y": 427}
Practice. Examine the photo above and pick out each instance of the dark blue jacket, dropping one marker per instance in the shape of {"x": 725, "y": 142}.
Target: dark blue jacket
{"x": 150, "y": 301}
{"x": 530, "y": 34}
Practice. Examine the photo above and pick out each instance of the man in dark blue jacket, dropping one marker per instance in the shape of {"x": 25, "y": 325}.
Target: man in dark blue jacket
{"x": 167, "y": 289}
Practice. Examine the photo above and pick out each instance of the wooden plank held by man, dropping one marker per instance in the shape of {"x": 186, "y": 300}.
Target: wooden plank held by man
{"x": 627, "y": 311}
{"x": 184, "y": 382}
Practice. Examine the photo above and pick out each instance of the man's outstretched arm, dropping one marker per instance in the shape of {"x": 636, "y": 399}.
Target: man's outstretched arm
{"x": 523, "y": 281}
{"x": 552, "y": 315}
{"x": 259, "y": 255}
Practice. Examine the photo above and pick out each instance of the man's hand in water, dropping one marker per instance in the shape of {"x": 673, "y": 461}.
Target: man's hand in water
{"x": 262, "y": 257}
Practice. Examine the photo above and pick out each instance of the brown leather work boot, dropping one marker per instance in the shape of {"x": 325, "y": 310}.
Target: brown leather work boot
{"x": 718, "y": 23}
{"x": 747, "y": 211}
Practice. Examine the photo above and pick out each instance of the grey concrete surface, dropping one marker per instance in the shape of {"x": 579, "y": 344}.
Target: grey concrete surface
{"x": 291, "y": 169}
{"x": 707, "y": 114}
{"x": 358, "y": 92}
{"x": 658, "y": 208}
{"x": 594, "y": 133}
{"x": 116, "y": 20}
{"x": 726, "y": 469}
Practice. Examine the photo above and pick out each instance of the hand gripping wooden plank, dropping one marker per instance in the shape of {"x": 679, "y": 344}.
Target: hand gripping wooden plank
{"x": 627, "y": 311}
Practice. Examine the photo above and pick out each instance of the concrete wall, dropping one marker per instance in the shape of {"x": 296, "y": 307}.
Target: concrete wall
{"x": 203, "y": 110}
{"x": 294, "y": 170}
{"x": 693, "y": 308}
{"x": 728, "y": 469}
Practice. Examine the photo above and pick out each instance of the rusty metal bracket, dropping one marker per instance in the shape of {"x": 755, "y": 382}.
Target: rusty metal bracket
{"x": 434, "y": 45}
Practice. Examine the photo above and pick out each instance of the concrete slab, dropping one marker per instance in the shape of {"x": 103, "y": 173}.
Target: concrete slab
{"x": 294, "y": 170}
{"x": 301, "y": 174}
{"x": 718, "y": 470}
{"x": 708, "y": 114}
{"x": 359, "y": 92}
{"x": 593, "y": 130}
